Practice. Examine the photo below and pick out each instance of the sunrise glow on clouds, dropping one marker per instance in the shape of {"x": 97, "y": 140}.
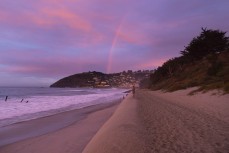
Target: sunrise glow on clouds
{"x": 41, "y": 41}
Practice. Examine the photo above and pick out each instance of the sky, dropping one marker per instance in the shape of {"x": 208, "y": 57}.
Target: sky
{"x": 44, "y": 40}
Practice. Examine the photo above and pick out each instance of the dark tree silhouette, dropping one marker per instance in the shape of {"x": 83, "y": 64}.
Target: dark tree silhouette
{"x": 210, "y": 44}
{"x": 209, "y": 41}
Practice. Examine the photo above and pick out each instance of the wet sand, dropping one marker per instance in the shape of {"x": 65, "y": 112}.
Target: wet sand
{"x": 60, "y": 133}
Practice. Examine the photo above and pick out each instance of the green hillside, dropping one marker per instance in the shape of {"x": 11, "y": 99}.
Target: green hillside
{"x": 204, "y": 63}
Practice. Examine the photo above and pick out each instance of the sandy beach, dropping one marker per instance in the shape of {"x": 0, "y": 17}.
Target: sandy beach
{"x": 154, "y": 121}
{"x": 123, "y": 132}
{"x": 149, "y": 122}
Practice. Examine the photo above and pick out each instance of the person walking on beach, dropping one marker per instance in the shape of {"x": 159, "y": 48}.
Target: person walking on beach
{"x": 6, "y": 98}
{"x": 133, "y": 90}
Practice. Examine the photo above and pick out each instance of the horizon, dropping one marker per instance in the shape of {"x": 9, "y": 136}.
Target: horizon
{"x": 44, "y": 41}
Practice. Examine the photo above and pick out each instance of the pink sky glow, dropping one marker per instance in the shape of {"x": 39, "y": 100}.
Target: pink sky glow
{"x": 42, "y": 41}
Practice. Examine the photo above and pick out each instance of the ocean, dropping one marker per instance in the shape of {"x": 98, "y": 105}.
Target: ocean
{"x": 30, "y": 103}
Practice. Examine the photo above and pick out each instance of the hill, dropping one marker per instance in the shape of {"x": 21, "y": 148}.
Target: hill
{"x": 211, "y": 72}
{"x": 204, "y": 63}
{"x": 100, "y": 80}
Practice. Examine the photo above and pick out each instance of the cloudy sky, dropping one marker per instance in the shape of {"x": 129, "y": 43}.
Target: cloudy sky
{"x": 44, "y": 40}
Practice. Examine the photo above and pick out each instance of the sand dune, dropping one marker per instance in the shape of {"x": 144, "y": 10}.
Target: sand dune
{"x": 160, "y": 122}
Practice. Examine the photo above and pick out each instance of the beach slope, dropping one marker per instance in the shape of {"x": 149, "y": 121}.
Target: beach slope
{"x": 154, "y": 121}
{"x": 71, "y": 139}
{"x": 123, "y": 132}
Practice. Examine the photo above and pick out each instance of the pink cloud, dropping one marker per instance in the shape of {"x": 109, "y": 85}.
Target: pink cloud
{"x": 67, "y": 17}
{"x": 47, "y": 17}
{"x": 61, "y": 37}
{"x": 154, "y": 63}
{"x": 133, "y": 37}
{"x": 24, "y": 69}
{"x": 27, "y": 63}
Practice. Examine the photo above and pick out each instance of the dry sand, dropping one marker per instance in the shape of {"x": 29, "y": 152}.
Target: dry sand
{"x": 71, "y": 139}
{"x": 154, "y": 121}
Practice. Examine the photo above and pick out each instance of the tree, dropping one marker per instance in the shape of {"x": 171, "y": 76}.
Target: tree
{"x": 209, "y": 41}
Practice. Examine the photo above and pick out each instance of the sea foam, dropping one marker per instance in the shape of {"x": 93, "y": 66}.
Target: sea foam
{"x": 32, "y": 107}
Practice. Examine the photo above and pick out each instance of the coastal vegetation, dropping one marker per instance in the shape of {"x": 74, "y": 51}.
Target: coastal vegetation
{"x": 204, "y": 63}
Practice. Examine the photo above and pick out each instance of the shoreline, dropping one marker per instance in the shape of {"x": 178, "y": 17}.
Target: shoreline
{"x": 17, "y": 132}
{"x": 47, "y": 102}
{"x": 150, "y": 121}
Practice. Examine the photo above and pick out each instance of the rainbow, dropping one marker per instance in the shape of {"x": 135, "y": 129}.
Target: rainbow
{"x": 114, "y": 42}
